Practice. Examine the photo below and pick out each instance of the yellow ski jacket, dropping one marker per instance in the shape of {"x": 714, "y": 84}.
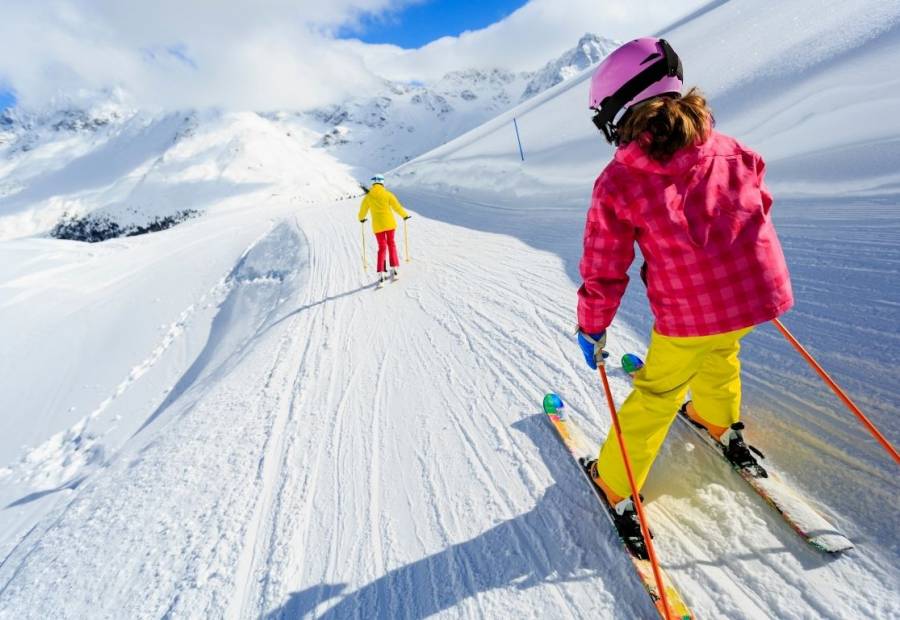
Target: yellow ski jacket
{"x": 381, "y": 202}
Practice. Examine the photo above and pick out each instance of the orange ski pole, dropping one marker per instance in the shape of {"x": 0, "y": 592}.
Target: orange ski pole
{"x": 837, "y": 390}
{"x": 638, "y": 504}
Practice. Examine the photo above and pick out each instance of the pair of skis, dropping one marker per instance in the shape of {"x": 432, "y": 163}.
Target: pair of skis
{"x": 381, "y": 283}
{"x": 797, "y": 512}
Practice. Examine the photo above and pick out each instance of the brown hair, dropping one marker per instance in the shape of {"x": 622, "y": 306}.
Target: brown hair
{"x": 663, "y": 125}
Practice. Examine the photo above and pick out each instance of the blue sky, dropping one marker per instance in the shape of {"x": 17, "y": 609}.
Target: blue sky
{"x": 6, "y": 98}
{"x": 422, "y": 23}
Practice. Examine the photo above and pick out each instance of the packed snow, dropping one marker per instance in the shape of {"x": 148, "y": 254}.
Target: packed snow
{"x": 225, "y": 418}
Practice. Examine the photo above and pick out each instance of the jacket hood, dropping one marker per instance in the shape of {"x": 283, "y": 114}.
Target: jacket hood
{"x": 633, "y": 156}
{"x": 707, "y": 205}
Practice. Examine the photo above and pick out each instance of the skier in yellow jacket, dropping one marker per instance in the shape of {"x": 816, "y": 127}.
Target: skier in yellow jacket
{"x": 383, "y": 204}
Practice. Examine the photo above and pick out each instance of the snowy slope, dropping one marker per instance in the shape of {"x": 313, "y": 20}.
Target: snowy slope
{"x": 225, "y": 419}
{"x": 308, "y": 464}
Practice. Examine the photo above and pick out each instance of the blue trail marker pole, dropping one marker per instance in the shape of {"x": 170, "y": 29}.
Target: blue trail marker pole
{"x": 518, "y": 139}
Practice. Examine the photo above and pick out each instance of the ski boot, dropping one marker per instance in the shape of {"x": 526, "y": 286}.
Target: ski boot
{"x": 735, "y": 449}
{"x": 739, "y": 453}
{"x": 624, "y": 517}
{"x": 395, "y": 274}
{"x": 382, "y": 279}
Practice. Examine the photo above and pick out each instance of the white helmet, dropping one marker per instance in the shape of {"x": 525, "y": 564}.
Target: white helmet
{"x": 377, "y": 179}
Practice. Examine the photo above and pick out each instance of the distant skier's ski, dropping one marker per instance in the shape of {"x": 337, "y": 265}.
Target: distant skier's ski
{"x": 796, "y": 511}
{"x": 580, "y": 448}
{"x": 382, "y": 282}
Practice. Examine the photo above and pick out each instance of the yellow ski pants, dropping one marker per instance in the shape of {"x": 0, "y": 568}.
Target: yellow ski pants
{"x": 707, "y": 365}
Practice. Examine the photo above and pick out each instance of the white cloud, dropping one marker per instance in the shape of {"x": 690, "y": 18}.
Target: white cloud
{"x": 256, "y": 54}
{"x": 269, "y": 54}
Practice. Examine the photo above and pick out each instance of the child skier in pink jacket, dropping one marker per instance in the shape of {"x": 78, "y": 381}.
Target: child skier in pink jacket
{"x": 695, "y": 203}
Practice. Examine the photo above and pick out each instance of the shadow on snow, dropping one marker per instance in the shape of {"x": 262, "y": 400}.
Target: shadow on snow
{"x": 563, "y": 539}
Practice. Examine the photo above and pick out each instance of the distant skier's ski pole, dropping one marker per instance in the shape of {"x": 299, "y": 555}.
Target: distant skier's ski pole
{"x": 406, "y": 239}
{"x": 365, "y": 259}
{"x": 635, "y": 496}
{"x": 837, "y": 390}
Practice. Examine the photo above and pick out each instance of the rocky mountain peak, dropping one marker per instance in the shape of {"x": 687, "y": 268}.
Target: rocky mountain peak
{"x": 589, "y": 50}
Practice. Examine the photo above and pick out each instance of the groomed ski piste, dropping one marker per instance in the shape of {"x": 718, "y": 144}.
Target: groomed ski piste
{"x": 226, "y": 419}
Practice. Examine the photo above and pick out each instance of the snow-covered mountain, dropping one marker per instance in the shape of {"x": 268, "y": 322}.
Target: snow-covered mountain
{"x": 105, "y": 171}
{"x": 380, "y": 131}
{"x": 117, "y": 171}
{"x": 590, "y": 50}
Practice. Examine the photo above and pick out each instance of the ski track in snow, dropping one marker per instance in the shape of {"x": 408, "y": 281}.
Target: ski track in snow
{"x": 291, "y": 476}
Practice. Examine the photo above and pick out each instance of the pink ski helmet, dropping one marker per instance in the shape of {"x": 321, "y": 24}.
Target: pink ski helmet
{"x": 632, "y": 73}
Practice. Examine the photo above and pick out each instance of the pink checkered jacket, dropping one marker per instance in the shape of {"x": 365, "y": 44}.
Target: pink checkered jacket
{"x": 701, "y": 219}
